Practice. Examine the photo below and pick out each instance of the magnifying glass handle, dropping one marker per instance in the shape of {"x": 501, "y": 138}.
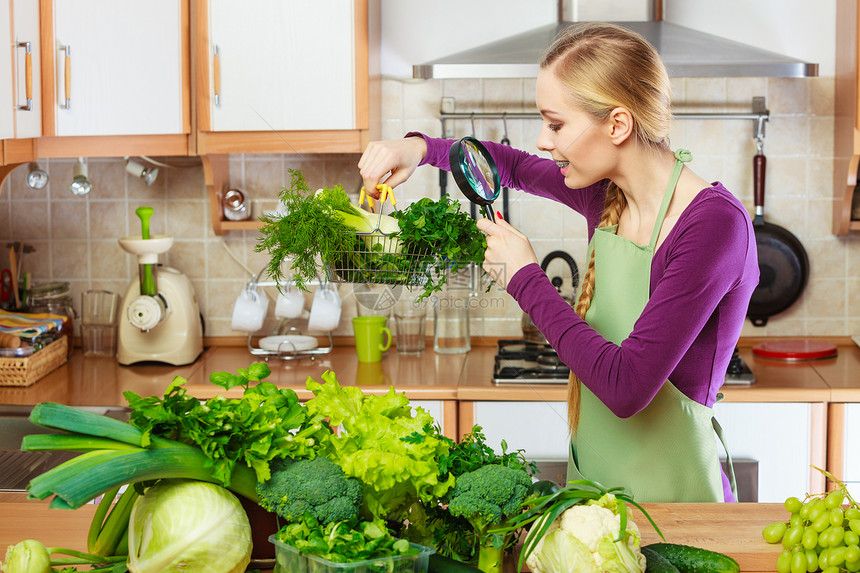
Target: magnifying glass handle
{"x": 488, "y": 213}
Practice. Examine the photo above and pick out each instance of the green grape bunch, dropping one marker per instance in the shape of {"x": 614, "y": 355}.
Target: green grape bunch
{"x": 821, "y": 534}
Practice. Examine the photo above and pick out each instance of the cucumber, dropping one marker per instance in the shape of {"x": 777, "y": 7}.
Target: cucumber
{"x": 689, "y": 559}
{"x": 656, "y": 563}
{"x": 441, "y": 564}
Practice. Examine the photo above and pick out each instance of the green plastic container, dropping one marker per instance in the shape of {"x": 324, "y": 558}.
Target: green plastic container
{"x": 288, "y": 559}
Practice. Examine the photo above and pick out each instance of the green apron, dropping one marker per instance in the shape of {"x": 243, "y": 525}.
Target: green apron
{"x": 667, "y": 451}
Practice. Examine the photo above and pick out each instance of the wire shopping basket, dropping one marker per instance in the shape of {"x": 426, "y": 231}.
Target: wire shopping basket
{"x": 380, "y": 258}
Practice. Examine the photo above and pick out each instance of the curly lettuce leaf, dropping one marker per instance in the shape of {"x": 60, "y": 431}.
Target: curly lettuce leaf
{"x": 391, "y": 447}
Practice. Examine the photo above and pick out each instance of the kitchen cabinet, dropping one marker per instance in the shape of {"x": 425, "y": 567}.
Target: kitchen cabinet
{"x": 785, "y": 438}
{"x": 119, "y": 78}
{"x": 846, "y": 136}
{"x": 538, "y": 427}
{"x": 20, "y": 100}
{"x": 286, "y": 77}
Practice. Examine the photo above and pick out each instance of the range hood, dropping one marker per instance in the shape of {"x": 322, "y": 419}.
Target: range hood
{"x": 685, "y": 51}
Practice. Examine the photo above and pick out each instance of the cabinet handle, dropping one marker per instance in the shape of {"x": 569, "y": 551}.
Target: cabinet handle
{"x": 216, "y": 75}
{"x": 28, "y": 75}
{"x": 68, "y": 75}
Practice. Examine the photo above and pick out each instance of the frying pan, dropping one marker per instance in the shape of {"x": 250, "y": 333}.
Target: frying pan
{"x": 782, "y": 261}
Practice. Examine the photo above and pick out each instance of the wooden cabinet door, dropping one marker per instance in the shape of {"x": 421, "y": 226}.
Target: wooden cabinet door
{"x": 282, "y": 66}
{"x": 7, "y": 116}
{"x": 26, "y": 69}
{"x": 124, "y": 67}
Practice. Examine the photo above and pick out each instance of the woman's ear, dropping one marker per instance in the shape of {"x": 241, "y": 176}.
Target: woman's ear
{"x": 620, "y": 125}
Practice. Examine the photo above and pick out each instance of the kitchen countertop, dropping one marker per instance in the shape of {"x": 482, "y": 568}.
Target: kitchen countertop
{"x": 428, "y": 376}
{"x": 730, "y": 528}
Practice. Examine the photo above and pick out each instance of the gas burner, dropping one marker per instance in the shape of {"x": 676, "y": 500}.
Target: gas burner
{"x": 518, "y": 361}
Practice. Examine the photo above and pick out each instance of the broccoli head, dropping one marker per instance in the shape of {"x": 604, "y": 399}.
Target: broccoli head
{"x": 487, "y": 497}
{"x": 315, "y": 488}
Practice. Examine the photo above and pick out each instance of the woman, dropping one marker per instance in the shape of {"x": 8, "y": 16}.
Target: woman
{"x": 671, "y": 265}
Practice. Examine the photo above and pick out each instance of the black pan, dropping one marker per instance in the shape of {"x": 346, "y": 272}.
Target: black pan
{"x": 782, "y": 261}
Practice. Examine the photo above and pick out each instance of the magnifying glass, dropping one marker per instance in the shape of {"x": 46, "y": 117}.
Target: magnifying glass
{"x": 475, "y": 173}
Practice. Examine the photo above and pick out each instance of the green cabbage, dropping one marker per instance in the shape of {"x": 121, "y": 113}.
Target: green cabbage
{"x": 564, "y": 553}
{"x": 28, "y": 556}
{"x": 189, "y": 527}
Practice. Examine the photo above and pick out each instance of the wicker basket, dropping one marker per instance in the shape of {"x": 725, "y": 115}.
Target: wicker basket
{"x": 26, "y": 371}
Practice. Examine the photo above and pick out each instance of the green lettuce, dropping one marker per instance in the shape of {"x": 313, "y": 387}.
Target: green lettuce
{"x": 391, "y": 447}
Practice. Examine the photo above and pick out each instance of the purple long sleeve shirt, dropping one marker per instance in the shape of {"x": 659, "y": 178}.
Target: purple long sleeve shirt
{"x": 702, "y": 278}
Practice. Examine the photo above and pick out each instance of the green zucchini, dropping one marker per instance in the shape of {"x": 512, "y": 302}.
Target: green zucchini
{"x": 689, "y": 559}
{"x": 441, "y": 564}
{"x": 656, "y": 563}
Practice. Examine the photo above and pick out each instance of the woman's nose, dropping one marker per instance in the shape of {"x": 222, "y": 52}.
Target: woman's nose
{"x": 543, "y": 142}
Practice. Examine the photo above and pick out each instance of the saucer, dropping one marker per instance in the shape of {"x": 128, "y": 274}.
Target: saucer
{"x": 288, "y": 343}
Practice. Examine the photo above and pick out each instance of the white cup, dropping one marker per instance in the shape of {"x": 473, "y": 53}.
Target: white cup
{"x": 250, "y": 310}
{"x": 290, "y": 304}
{"x": 325, "y": 310}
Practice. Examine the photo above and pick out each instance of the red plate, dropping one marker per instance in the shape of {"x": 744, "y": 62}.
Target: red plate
{"x": 795, "y": 349}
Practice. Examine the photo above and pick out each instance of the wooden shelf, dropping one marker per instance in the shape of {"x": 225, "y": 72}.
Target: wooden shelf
{"x": 249, "y": 225}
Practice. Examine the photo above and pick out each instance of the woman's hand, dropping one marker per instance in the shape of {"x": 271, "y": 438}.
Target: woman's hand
{"x": 399, "y": 157}
{"x": 508, "y": 250}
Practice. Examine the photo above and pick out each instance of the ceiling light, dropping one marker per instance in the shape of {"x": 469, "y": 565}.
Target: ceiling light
{"x": 80, "y": 183}
{"x": 136, "y": 168}
{"x": 37, "y": 178}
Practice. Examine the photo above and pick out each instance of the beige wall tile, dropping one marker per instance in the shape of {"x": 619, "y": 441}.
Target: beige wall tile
{"x": 69, "y": 220}
{"x": 69, "y": 260}
{"x": 108, "y": 219}
{"x": 30, "y": 220}
{"x": 107, "y": 177}
{"x": 109, "y": 261}
{"x": 263, "y": 177}
{"x": 189, "y": 256}
{"x": 787, "y": 96}
{"x": 186, "y": 219}
{"x": 185, "y": 183}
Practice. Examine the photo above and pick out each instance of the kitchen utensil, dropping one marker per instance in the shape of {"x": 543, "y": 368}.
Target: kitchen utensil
{"x": 249, "y": 310}
{"x": 795, "y": 349}
{"x": 505, "y": 141}
{"x": 99, "y": 314}
{"x": 288, "y": 343}
{"x": 235, "y": 206}
{"x": 531, "y": 335}
{"x": 13, "y": 269}
{"x": 369, "y": 333}
{"x": 6, "y": 285}
{"x": 325, "y": 309}
{"x": 782, "y": 261}
{"x": 475, "y": 173}
{"x": 166, "y": 325}
{"x": 290, "y": 303}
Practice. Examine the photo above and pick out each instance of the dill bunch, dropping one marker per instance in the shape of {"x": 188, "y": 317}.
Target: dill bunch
{"x": 310, "y": 229}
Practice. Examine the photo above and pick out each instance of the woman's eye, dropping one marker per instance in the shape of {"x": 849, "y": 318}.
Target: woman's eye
{"x": 553, "y": 126}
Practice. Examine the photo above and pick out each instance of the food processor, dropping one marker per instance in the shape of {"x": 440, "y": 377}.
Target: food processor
{"x": 160, "y": 317}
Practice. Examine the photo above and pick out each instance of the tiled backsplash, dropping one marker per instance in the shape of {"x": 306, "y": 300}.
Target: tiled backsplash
{"x": 76, "y": 237}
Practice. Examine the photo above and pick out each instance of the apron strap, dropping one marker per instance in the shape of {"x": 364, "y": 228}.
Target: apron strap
{"x": 681, "y": 156}
{"x": 731, "y": 473}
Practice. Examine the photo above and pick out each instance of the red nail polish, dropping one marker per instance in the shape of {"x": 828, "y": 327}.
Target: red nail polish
{"x": 499, "y": 215}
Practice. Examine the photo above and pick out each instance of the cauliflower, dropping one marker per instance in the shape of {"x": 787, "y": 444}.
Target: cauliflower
{"x": 583, "y": 539}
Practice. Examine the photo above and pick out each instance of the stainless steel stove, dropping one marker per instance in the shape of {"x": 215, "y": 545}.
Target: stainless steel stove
{"x": 519, "y": 362}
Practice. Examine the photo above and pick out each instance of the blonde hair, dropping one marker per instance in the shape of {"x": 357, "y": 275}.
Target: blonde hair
{"x": 602, "y": 67}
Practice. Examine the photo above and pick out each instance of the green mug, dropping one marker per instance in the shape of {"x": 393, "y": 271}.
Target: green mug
{"x": 368, "y": 337}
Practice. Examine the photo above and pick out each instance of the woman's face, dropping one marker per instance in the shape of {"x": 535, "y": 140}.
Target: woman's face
{"x": 573, "y": 138}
